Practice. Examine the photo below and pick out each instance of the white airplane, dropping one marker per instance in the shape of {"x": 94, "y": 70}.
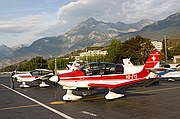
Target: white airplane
{"x": 72, "y": 66}
{"x": 172, "y": 73}
{"x": 105, "y": 75}
{"x": 42, "y": 74}
{"x": 35, "y": 75}
{"x": 167, "y": 73}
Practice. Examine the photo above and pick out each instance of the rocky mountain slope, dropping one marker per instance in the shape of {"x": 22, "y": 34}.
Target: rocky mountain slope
{"x": 91, "y": 33}
{"x": 156, "y": 31}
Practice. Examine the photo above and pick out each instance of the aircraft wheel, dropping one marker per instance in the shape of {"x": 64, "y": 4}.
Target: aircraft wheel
{"x": 171, "y": 80}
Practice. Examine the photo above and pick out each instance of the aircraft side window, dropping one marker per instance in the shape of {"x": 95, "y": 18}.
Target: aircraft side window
{"x": 87, "y": 70}
{"x": 45, "y": 72}
{"x": 110, "y": 69}
{"x": 95, "y": 69}
{"x": 119, "y": 69}
{"x": 102, "y": 69}
{"x": 35, "y": 73}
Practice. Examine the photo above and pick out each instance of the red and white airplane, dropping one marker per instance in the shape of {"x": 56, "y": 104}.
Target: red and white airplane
{"x": 34, "y": 75}
{"x": 105, "y": 75}
{"x": 41, "y": 75}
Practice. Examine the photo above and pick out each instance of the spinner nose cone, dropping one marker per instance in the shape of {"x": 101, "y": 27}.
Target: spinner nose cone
{"x": 54, "y": 79}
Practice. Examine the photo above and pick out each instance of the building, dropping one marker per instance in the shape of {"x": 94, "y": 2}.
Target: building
{"x": 93, "y": 53}
{"x": 157, "y": 44}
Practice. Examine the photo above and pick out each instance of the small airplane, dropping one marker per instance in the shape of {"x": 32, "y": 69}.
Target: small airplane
{"x": 72, "y": 66}
{"x": 42, "y": 74}
{"x": 104, "y": 75}
{"x": 34, "y": 75}
{"x": 168, "y": 74}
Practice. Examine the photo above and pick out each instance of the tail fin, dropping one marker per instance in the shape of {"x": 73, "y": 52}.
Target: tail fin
{"x": 152, "y": 62}
{"x": 127, "y": 62}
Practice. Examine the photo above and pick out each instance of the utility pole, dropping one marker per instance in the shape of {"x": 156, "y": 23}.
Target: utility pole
{"x": 165, "y": 47}
{"x": 55, "y": 67}
{"x": 86, "y": 46}
{"x": 55, "y": 83}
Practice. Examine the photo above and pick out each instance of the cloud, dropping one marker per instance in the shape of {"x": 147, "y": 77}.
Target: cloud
{"x": 32, "y": 27}
{"x": 24, "y": 29}
{"x": 68, "y": 16}
{"x": 18, "y": 25}
{"x": 128, "y": 11}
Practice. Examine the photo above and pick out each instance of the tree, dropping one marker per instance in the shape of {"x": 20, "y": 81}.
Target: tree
{"x": 114, "y": 51}
{"x": 176, "y": 50}
{"x": 61, "y": 63}
{"x": 138, "y": 48}
{"x": 37, "y": 62}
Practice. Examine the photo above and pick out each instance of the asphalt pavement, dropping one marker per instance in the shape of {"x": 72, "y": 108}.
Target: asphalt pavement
{"x": 160, "y": 101}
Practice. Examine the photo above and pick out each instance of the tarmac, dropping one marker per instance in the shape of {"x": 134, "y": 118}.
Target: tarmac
{"x": 161, "y": 101}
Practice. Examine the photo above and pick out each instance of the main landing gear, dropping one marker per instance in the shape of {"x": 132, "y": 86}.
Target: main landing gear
{"x": 69, "y": 96}
{"x": 23, "y": 85}
{"x": 112, "y": 95}
{"x": 43, "y": 84}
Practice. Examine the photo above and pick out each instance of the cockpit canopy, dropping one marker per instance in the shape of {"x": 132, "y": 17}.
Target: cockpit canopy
{"x": 102, "y": 68}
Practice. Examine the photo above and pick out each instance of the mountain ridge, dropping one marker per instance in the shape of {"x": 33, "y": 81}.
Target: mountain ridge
{"x": 94, "y": 33}
{"x": 169, "y": 26}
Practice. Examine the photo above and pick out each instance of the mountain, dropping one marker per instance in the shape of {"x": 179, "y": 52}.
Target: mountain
{"x": 156, "y": 31}
{"x": 91, "y": 33}
{"x": 5, "y": 52}
{"x": 99, "y": 32}
{"x": 19, "y": 46}
{"x": 125, "y": 28}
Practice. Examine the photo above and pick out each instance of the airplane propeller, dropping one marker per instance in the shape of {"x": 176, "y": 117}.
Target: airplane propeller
{"x": 54, "y": 78}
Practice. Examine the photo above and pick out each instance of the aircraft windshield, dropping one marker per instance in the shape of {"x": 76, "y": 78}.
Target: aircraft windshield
{"x": 102, "y": 68}
{"x": 39, "y": 72}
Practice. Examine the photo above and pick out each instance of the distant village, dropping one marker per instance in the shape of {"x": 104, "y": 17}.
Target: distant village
{"x": 157, "y": 44}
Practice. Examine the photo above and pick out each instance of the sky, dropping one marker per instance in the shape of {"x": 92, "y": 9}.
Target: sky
{"x": 24, "y": 21}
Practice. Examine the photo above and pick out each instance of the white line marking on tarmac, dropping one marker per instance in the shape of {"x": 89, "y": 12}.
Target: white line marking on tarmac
{"x": 89, "y": 113}
{"x": 43, "y": 105}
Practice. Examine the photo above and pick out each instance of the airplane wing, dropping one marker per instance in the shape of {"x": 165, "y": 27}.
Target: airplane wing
{"x": 115, "y": 84}
{"x": 159, "y": 70}
{"x": 44, "y": 77}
